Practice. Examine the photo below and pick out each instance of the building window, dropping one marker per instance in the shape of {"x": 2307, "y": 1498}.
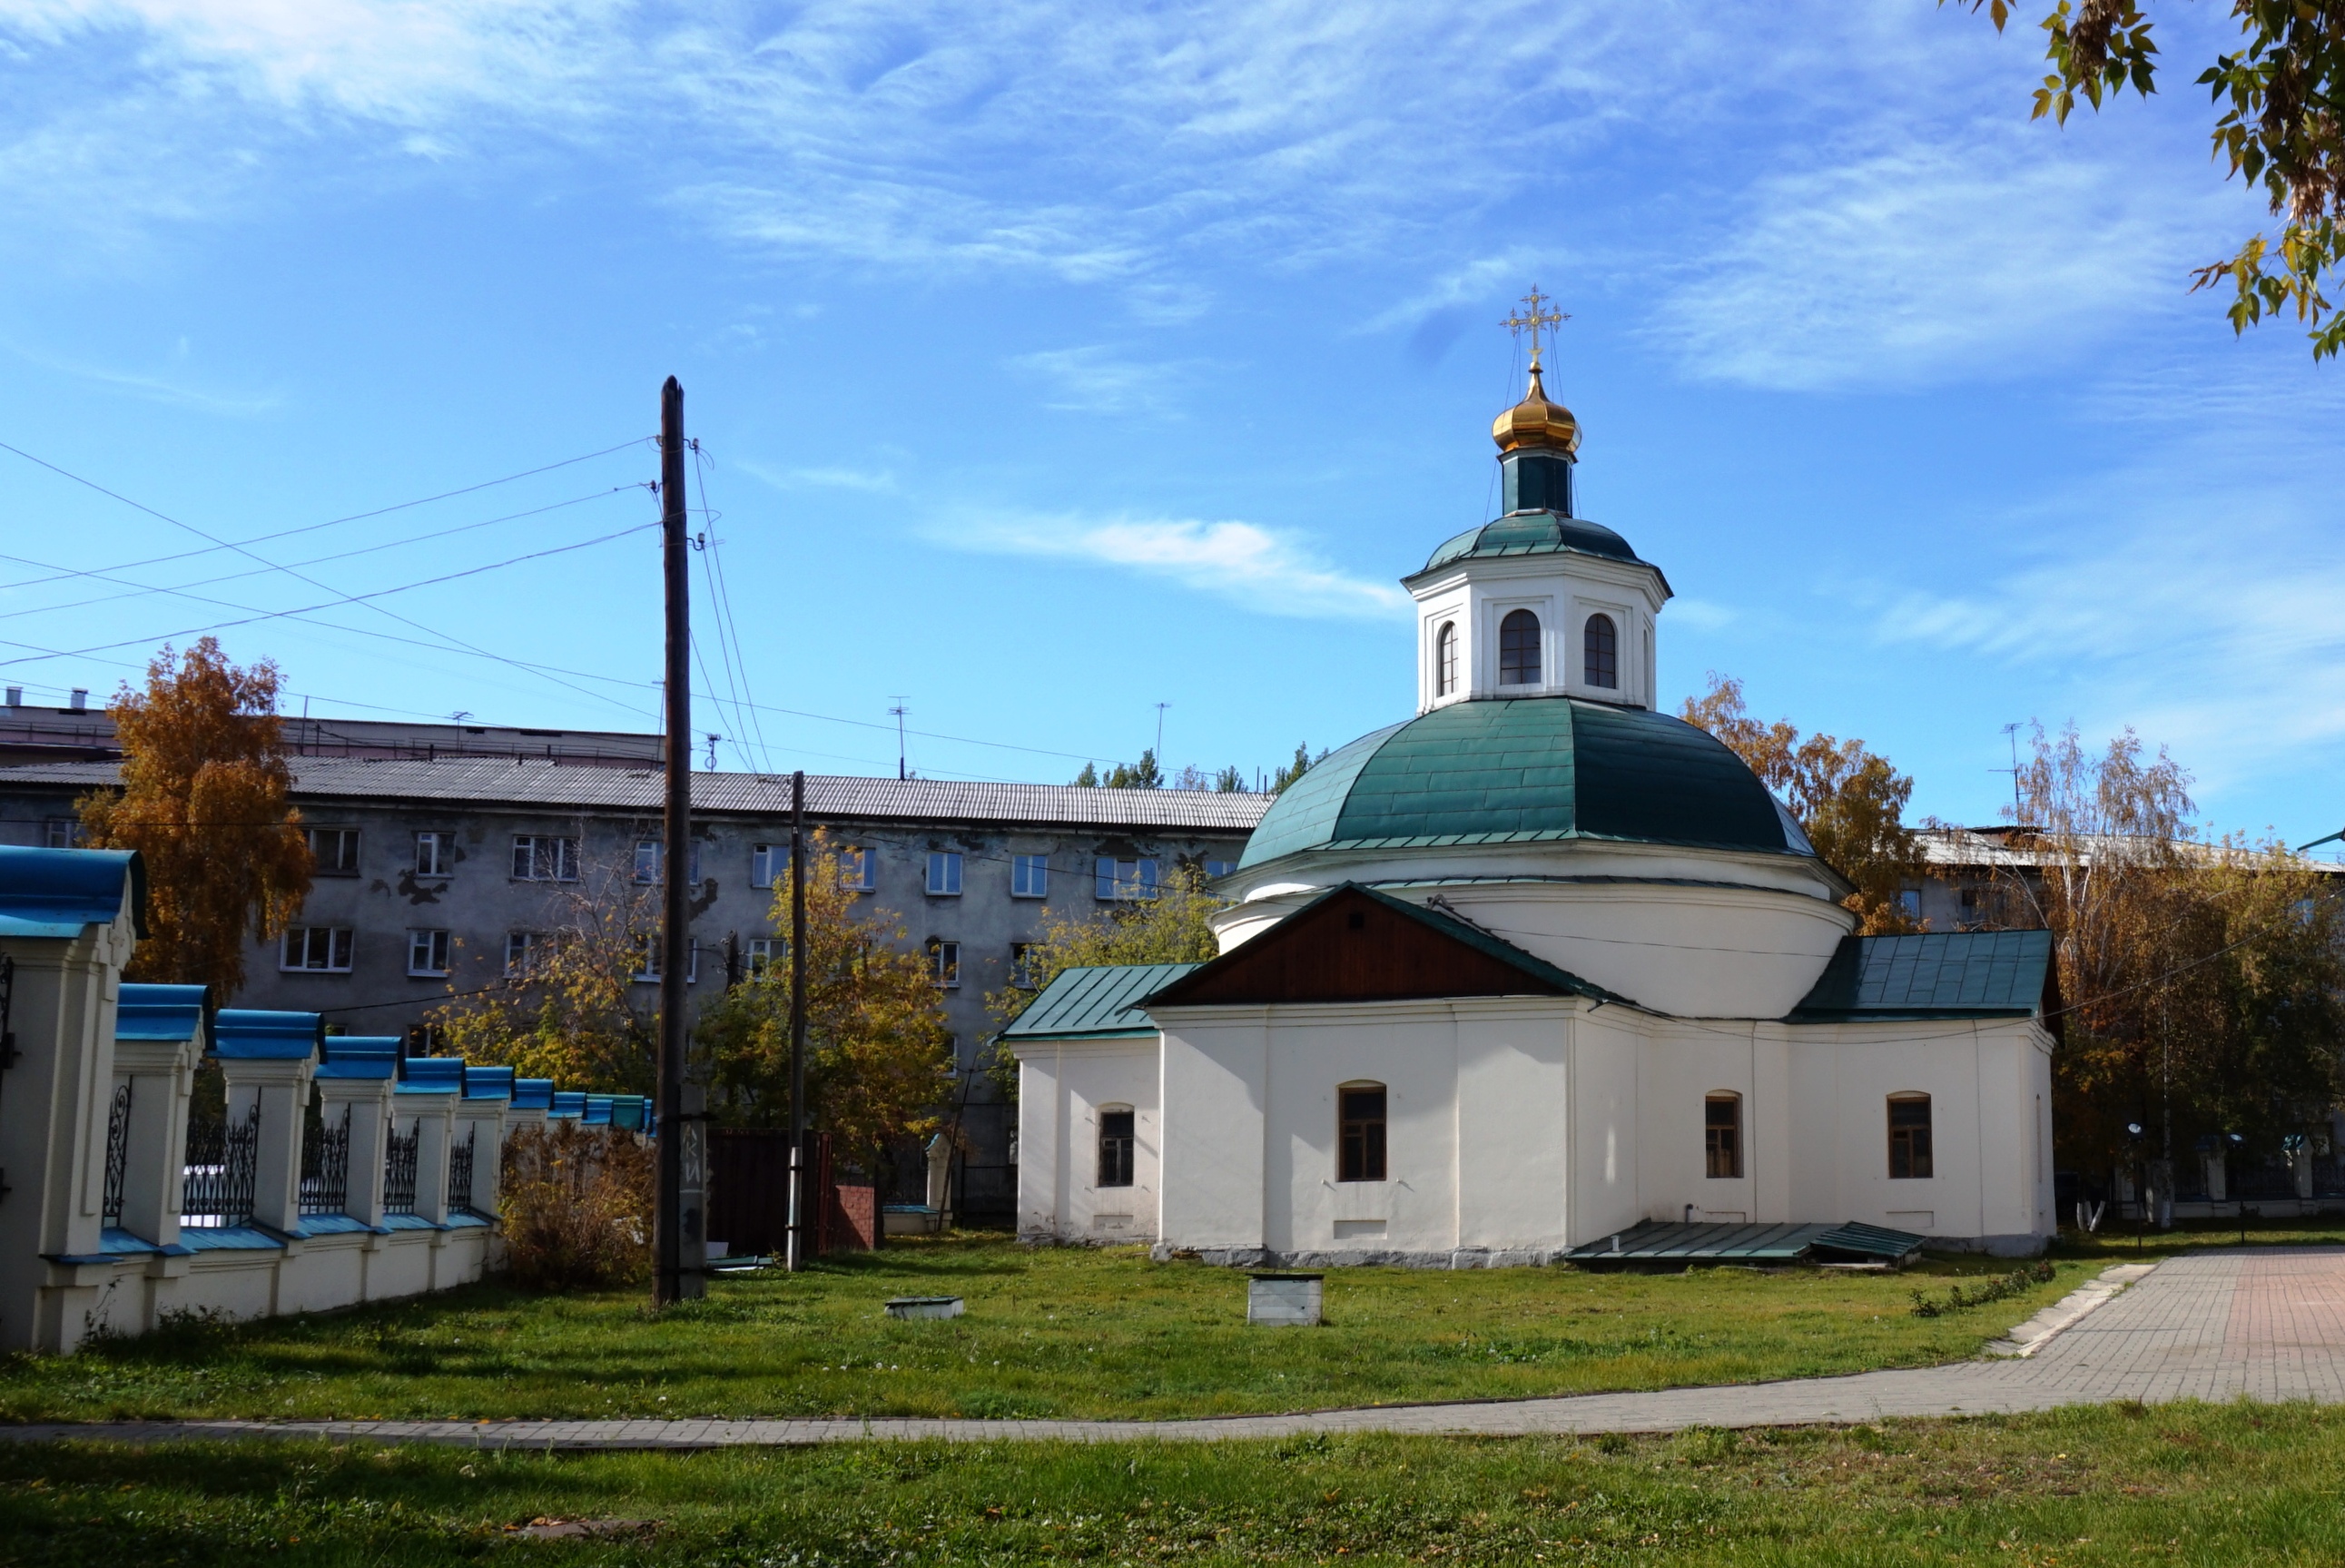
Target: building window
{"x": 855, "y": 868}
{"x": 770, "y": 865}
{"x": 316, "y": 947}
{"x": 64, "y": 832}
{"x": 647, "y": 961}
{"x": 944, "y": 959}
{"x": 1219, "y": 869}
{"x": 1021, "y": 964}
{"x": 435, "y": 854}
{"x": 944, "y": 874}
{"x": 333, "y": 851}
{"x": 1445, "y": 659}
{"x": 427, "y": 952}
{"x": 1360, "y": 1133}
{"x": 1602, "y": 643}
{"x": 1909, "y": 1136}
{"x": 1909, "y": 902}
{"x": 427, "y": 1039}
{"x": 651, "y": 856}
{"x": 1115, "y": 1146}
{"x": 1029, "y": 876}
{"x": 1518, "y": 649}
{"x": 524, "y": 950}
{"x": 765, "y": 954}
{"x": 1721, "y": 1136}
{"x": 1115, "y": 879}
{"x": 539, "y": 859}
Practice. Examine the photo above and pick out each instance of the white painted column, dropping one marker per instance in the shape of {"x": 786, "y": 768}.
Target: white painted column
{"x": 482, "y": 1121}
{"x": 281, "y": 1089}
{"x": 161, "y": 1074}
{"x": 434, "y": 1114}
{"x": 367, "y": 1100}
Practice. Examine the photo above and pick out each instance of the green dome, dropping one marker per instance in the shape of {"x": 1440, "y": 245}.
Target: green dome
{"x": 1526, "y": 770}
{"x": 1534, "y": 534}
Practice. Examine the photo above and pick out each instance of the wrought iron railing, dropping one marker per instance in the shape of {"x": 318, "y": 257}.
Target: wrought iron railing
{"x": 460, "y": 1171}
{"x": 223, "y": 1157}
{"x": 398, "y": 1162}
{"x": 326, "y": 1164}
{"x": 117, "y": 1152}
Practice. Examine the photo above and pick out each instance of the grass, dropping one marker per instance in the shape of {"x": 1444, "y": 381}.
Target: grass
{"x": 2174, "y": 1485}
{"x": 1053, "y": 1332}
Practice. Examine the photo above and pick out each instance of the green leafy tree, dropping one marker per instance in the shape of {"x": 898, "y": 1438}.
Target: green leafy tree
{"x": 1088, "y": 779}
{"x": 1302, "y": 764}
{"x": 878, "y": 1058}
{"x": 1144, "y": 774}
{"x": 205, "y": 801}
{"x": 2280, "y": 125}
{"x": 1850, "y": 802}
{"x": 1230, "y": 781}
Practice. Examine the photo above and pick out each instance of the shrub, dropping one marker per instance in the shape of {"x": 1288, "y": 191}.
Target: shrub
{"x": 2040, "y": 1272}
{"x": 577, "y": 1206}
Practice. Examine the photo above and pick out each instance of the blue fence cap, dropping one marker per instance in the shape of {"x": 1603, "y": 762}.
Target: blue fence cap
{"x": 145, "y": 1012}
{"x": 533, "y": 1093}
{"x": 63, "y": 892}
{"x": 432, "y": 1074}
{"x": 488, "y": 1083}
{"x": 568, "y": 1103}
{"x": 598, "y": 1110}
{"x": 255, "y": 1034}
{"x": 630, "y": 1111}
{"x": 361, "y": 1056}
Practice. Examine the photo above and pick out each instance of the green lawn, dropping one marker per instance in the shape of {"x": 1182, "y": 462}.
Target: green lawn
{"x": 2179, "y": 1484}
{"x": 1071, "y": 1333}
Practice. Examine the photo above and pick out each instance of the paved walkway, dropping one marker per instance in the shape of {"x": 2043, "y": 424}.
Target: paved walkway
{"x": 2269, "y": 1325}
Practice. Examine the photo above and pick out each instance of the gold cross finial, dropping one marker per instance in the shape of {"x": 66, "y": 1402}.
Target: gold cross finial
{"x": 1531, "y": 318}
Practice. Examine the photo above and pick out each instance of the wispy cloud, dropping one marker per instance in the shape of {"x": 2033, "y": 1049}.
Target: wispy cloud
{"x": 1096, "y": 379}
{"x": 1259, "y": 568}
{"x": 874, "y": 481}
{"x": 180, "y": 391}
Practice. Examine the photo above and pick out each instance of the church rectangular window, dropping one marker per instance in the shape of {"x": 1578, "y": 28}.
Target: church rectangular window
{"x": 1909, "y": 1137}
{"x": 1721, "y": 1136}
{"x": 1360, "y": 1133}
{"x": 1115, "y": 1139}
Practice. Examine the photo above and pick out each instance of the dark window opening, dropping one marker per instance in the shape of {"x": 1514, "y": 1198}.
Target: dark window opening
{"x": 1446, "y": 660}
{"x": 1360, "y": 1150}
{"x": 1722, "y": 1135}
{"x": 1115, "y": 1148}
{"x": 1909, "y": 1136}
{"x": 1602, "y": 645}
{"x": 1518, "y": 649}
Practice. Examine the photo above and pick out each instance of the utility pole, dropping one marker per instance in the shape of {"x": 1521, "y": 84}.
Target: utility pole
{"x": 678, "y": 1245}
{"x": 796, "y": 1252}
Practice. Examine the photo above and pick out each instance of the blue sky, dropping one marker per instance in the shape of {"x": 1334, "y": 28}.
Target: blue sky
{"x": 1052, "y": 361}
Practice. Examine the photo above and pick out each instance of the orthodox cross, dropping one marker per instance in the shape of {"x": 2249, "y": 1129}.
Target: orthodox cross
{"x": 1531, "y": 318}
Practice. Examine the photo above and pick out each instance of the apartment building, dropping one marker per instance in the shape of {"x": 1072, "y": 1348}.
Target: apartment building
{"x": 435, "y": 875}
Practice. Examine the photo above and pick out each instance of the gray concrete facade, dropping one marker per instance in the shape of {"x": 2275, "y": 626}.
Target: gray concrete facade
{"x": 373, "y": 894}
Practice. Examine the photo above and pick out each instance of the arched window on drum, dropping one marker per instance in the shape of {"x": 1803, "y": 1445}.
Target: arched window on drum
{"x": 1601, "y": 645}
{"x": 1445, "y": 660}
{"x": 1518, "y": 649}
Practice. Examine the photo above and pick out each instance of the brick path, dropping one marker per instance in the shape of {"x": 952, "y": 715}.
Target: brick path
{"x": 2269, "y": 1325}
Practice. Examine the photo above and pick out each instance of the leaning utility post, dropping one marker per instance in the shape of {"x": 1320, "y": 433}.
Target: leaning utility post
{"x": 676, "y": 1231}
{"x": 798, "y": 1021}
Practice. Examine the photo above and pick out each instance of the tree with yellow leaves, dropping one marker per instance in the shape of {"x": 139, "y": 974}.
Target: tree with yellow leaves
{"x": 204, "y": 800}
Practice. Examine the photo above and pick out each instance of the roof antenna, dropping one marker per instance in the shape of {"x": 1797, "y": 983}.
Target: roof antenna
{"x": 900, "y": 711}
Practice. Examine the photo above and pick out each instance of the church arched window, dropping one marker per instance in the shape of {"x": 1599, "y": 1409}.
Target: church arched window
{"x": 1518, "y": 649}
{"x": 1445, "y": 659}
{"x": 1601, "y": 643}
{"x": 1909, "y": 1137}
{"x": 1721, "y": 1135}
{"x": 1360, "y": 1131}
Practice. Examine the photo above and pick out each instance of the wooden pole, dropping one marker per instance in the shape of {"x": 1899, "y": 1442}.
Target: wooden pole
{"x": 668, "y": 1225}
{"x": 797, "y": 1019}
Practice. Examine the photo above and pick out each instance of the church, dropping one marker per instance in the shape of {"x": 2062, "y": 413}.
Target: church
{"x": 1534, "y": 968}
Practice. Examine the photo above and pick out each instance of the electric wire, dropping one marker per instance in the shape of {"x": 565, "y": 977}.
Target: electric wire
{"x": 724, "y": 596}
{"x": 705, "y": 544}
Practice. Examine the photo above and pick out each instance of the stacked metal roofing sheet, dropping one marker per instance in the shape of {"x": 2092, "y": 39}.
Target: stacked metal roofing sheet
{"x": 1652, "y": 1243}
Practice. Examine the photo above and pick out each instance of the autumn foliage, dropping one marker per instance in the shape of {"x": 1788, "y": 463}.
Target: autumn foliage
{"x": 204, "y": 800}
{"x": 576, "y": 1206}
{"x": 1850, "y": 800}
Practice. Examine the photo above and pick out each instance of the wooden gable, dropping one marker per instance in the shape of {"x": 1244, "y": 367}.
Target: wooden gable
{"x": 1353, "y": 945}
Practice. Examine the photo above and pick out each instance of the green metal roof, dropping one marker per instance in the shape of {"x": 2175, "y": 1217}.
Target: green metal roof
{"x": 1668, "y": 1243}
{"x": 1535, "y": 534}
{"x": 1522, "y": 769}
{"x": 1096, "y": 1001}
{"x": 1937, "y": 974}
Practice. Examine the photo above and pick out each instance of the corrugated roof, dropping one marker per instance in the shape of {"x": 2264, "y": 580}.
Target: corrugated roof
{"x": 1098, "y": 1001}
{"x": 829, "y": 797}
{"x": 1526, "y": 769}
{"x": 1937, "y": 974}
{"x": 1668, "y": 1243}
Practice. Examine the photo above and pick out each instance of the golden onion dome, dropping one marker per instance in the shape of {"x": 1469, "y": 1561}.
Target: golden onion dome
{"x": 1535, "y": 422}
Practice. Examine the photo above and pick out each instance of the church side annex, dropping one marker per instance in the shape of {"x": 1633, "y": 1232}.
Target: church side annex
{"x": 1533, "y": 967}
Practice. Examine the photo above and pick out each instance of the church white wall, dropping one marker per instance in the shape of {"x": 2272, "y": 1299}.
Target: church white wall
{"x": 1063, "y": 1087}
{"x": 1512, "y": 1130}
{"x": 1605, "y": 1191}
{"x": 1214, "y": 1089}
